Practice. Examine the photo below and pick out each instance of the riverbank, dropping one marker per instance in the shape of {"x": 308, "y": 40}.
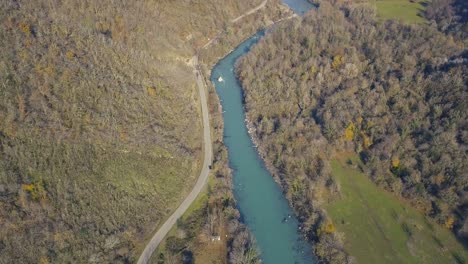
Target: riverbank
{"x": 283, "y": 13}
{"x": 260, "y": 200}
{"x": 308, "y": 91}
{"x": 217, "y": 213}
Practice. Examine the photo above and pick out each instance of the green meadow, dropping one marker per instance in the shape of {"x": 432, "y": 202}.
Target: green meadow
{"x": 379, "y": 228}
{"x": 404, "y": 10}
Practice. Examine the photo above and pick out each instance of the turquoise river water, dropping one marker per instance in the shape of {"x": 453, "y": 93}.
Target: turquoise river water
{"x": 261, "y": 202}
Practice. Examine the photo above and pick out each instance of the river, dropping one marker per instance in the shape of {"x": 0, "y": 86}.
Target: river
{"x": 260, "y": 200}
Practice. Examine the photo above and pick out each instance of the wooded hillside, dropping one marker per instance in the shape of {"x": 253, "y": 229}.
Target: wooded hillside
{"x": 100, "y": 134}
{"x": 340, "y": 81}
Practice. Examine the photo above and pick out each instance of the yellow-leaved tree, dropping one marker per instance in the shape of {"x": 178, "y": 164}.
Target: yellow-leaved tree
{"x": 395, "y": 162}
{"x": 338, "y": 60}
{"x": 349, "y": 132}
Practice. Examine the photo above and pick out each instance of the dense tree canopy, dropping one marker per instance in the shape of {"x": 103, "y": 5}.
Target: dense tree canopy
{"x": 340, "y": 80}
{"x": 451, "y": 16}
{"x": 100, "y": 135}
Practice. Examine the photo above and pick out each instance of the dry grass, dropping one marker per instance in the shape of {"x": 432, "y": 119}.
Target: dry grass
{"x": 211, "y": 252}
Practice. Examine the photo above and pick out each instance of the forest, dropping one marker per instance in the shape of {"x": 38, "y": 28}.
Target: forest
{"x": 100, "y": 132}
{"x": 343, "y": 81}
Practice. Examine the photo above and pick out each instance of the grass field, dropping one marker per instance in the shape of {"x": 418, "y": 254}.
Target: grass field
{"x": 404, "y": 10}
{"x": 379, "y": 228}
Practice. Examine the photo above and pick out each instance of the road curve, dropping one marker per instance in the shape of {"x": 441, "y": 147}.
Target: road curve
{"x": 208, "y": 157}
{"x": 202, "y": 179}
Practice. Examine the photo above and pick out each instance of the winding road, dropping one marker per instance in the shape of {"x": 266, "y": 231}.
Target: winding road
{"x": 202, "y": 179}
{"x": 208, "y": 156}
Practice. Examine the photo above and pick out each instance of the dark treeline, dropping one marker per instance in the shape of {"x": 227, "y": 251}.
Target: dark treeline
{"x": 340, "y": 80}
{"x": 451, "y": 16}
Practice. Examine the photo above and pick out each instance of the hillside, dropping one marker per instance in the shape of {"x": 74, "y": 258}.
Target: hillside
{"x": 100, "y": 133}
{"x": 343, "y": 80}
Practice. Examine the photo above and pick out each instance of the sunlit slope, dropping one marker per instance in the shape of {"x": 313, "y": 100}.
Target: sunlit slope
{"x": 100, "y": 133}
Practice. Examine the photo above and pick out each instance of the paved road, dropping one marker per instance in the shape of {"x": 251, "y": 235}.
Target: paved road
{"x": 208, "y": 150}
{"x": 202, "y": 179}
